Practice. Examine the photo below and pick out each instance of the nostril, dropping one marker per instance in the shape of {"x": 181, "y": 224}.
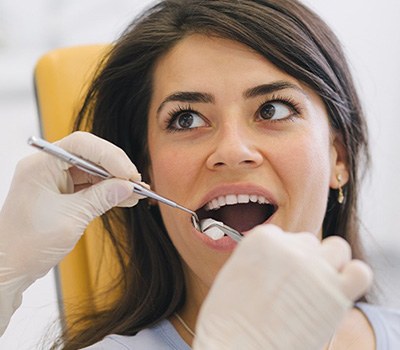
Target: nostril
{"x": 248, "y": 161}
{"x": 238, "y": 155}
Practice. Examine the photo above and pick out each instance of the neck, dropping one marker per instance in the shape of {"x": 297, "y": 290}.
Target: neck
{"x": 184, "y": 326}
{"x": 196, "y": 291}
{"x": 188, "y": 315}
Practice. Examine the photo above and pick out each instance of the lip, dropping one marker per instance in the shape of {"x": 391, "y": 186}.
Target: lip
{"x": 225, "y": 244}
{"x": 243, "y": 188}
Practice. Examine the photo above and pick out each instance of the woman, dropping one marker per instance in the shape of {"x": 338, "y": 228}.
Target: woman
{"x": 241, "y": 98}
{"x": 244, "y": 111}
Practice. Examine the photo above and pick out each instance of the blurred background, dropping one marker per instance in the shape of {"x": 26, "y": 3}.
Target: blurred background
{"x": 370, "y": 33}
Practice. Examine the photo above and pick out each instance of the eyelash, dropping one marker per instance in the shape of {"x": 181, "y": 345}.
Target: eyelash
{"x": 174, "y": 113}
{"x": 288, "y": 101}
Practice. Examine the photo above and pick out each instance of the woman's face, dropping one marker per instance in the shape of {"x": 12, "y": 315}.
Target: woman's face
{"x": 232, "y": 134}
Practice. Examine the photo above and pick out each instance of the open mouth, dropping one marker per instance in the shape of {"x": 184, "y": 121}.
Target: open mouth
{"x": 241, "y": 212}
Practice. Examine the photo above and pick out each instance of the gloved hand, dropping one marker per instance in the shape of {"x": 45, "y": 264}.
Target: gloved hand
{"x": 49, "y": 206}
{"x": 280, "y": 291}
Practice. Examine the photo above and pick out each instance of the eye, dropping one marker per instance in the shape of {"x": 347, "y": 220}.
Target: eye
{"x": 275, "y": 111}
{"x": 184, "y": 120}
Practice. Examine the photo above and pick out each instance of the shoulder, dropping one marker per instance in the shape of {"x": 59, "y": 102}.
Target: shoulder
{"x": 162, "y": 336}
{"x": 385, "y": 323}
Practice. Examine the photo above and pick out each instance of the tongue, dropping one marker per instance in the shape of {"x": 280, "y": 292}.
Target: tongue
{"x": 242, "y": 217}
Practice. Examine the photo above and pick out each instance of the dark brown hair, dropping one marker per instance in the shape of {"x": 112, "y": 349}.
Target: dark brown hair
{"x": 287, "y": 34}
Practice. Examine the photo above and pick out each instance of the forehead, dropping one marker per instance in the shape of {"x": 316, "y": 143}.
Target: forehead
{"x": 198, "y": 60}
{"x": 220, "y": 67}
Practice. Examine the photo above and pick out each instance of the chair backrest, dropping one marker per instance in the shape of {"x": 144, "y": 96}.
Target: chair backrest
{"x": 61, "y": 78}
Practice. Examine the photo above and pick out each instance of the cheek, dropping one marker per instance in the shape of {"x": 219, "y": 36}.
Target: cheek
{"x": 308, "y": 161}
{"x": 165, "y": 167}
{"x": 305, "y": 154}
{"x": 304, "y": 169}
{"x": 173, "y": 170}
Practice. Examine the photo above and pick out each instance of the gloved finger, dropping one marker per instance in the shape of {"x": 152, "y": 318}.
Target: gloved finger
{"x": 42, "y": 168}
{"x": 356, "y": 279}
{"x": 82, "y": 179}
{"x": 133, "y": 200}
{"x": 101, "y": 197}
{"x": 336, "y": 251}
{"x": 101, "y": 152}
{"x": 127, "y": 203}
{"x": 309, "y": 242}
{"x": 304, "y": 239}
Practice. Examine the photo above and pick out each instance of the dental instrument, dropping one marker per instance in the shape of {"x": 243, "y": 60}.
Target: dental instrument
{"x": 97, "y": 170}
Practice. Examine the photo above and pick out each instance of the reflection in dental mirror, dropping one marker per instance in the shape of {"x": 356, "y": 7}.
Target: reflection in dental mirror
{"x": 211, "y": 231}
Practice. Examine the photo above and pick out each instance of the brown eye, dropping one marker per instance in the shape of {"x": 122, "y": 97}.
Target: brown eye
{"x": 275, "y": 111}
{"x": 187, "y": 120}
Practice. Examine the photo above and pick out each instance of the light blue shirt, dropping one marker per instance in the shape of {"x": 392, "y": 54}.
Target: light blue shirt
{"x": 385, "y": 323}
{"x": 163, "y": 336}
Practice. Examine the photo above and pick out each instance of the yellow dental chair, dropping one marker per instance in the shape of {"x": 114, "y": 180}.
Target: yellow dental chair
{"x": 61, "y": 78}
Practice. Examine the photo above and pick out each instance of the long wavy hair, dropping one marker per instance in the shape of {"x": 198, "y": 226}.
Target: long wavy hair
{"x": 287, "y": 34}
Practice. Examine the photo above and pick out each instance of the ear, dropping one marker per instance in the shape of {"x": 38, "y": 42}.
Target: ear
{"x": 339, "y": 162}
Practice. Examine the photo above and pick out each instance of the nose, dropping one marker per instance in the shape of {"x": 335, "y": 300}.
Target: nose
{"x": 234, "y": 147}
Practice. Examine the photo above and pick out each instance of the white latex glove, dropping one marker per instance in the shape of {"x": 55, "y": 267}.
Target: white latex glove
{"x": 42, "y": 218}
{"x": 280, "y": 291}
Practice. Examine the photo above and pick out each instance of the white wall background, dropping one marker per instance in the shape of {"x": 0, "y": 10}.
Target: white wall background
{"x": 369, "y": 31}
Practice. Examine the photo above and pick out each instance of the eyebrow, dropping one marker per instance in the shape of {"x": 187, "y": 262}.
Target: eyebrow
{"x": 266, "y": 89}
{"x": 187, "y": 96}
{"x": 202, "y": 97}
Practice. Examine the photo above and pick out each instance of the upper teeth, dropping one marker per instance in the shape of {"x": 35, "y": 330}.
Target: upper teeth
{"x": 231, "y": 199}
